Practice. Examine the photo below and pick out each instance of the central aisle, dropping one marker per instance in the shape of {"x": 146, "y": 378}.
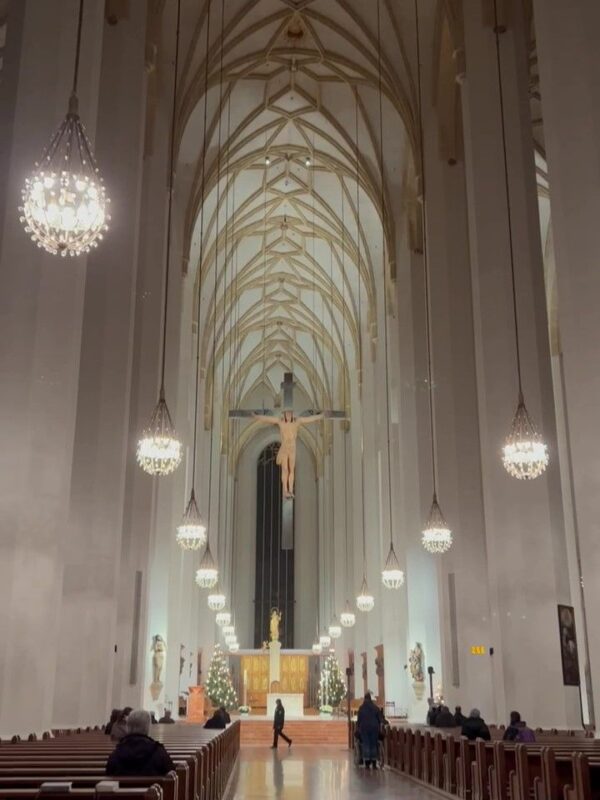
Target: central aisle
{"x": 309, "y": 773}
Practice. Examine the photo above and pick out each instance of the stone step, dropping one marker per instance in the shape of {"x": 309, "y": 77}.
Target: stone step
{"x": 301, "y": 732}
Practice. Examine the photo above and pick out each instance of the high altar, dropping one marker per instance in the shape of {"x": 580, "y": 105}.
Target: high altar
{"x": 263, "y": 685}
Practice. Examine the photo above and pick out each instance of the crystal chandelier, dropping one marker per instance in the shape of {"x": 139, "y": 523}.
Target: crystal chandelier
{"x": 525, "y": 454}
{"x": 335, "y": 630}
{"x": 223, "y": 618}
{"x": 207, "y": 574}
{"x": 392, "y": 576}
{"x": 325, "y": 641}
{"x": 228, "y": 630}
{"x": 65, "y": 207}
{"x": 436, "y": 536}
{"x": 230, "y": 639}
{"x": 365, "y": 600}
{"x": 159, "y": 450}
{"x": 216, "y": 600}
{"x": 191, "y": 533}
{"x": 347, "y": 617}
{"x": 234, "y": 647}
{"x": 316, "y": 648}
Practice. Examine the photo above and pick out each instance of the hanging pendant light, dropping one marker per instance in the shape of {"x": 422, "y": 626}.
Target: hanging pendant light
{"x": 65, "y": 206}
{"x": 228, "y": 629}
{"x": 525, "y": 454}
{"x": 392, "y": 576}
{"x": 436, "y": 536}
{"x": 159, "y": 450}
{"x": 191, "y": 533}
{"x": 234, "y": 647}
{"x": 365, "y": 601}
{"x": 230, "y": 639}
{"x": 335, "y": 630}
{"x": 216, "y": 600}
{"x": 325, "y": 641}
{"x": 223, "y": 618}
{"x": 207, "y": 573}
{"x": 347, "y": 617}
{"x": 316, "y": 648}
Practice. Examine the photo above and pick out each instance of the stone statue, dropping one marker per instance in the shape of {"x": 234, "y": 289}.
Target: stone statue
{"x": 159, "y": 652}
{"x": 415, "y": 661}
{"x": 286, "y": 457}
{"x": 274, "y": 625}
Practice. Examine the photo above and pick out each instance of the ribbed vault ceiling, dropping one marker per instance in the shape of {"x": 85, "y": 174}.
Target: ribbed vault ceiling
{"x": 288, "y": 254}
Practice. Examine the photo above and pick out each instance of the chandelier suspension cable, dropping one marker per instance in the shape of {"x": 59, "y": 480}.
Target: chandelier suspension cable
{"x": 498, "y": 29}
{"x": 360, "y": 347}
{"x": 347, "y": 617}
{"x": 191, "y": 534}
{"x": 224, "y": 417}
{"x": 392, "y": 575}
{"x": 77, "y": 51}
{"x": 170, "y": 200}
{"x": 201, "y": 256}
{"x": 334, "y": 629}
{"x": 425, "y": 258}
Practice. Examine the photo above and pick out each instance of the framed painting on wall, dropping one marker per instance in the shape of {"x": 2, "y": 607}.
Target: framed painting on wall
{"x": 568, "y": 645}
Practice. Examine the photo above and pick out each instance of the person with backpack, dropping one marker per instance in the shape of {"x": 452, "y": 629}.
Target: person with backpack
{"x": 518, "y": 731}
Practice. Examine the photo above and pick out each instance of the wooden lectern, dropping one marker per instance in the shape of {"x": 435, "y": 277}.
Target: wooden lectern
{"x": 195, "y": 704}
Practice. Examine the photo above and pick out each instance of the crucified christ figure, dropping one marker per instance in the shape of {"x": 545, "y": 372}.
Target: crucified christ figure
{"x": 286, "y": 457}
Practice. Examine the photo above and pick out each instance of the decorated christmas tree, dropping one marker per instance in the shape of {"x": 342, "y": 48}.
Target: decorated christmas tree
{"x": 218, "y": 685}
{"x": 332, "y": 689}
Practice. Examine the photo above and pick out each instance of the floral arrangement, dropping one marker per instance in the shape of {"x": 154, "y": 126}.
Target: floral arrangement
{"x": 244, "y": 709}
{"x": 326, "y": 709}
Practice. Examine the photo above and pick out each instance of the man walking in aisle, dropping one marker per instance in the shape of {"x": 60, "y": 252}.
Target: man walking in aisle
{"x": 278, "y": 723}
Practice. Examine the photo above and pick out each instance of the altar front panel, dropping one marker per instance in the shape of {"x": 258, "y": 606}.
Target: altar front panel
{"x": 292, "y": 703}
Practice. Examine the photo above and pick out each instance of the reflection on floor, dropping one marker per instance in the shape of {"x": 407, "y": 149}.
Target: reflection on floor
{"x": 313, "y": 773}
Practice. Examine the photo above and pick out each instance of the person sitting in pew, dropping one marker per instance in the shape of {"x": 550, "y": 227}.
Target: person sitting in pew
{"x": 475, "y": 727}
{"x": 225, "y": 715}
{"x": 167, "y": 719}
{"x": 459, "y": 717}
{"x": 137, "y": 753}
{"x": 518, "y": 731}
{"x": 432, "y": 712}
{"x": 114, "y": 716}
{"x": 217, "y": 721}
{"x": 445, "y": 718}
{"x": 119, "y": 728}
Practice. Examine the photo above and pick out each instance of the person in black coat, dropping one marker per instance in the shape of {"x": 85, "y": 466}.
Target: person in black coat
{"x": 445, "y": 718}
{"x": 278, "y": 723}
{"x": 368, "y": 724}
{"x": 475, "y": 727}
{"x": 138, "y": 754}
{"x": 217, "y": 721}
{"x": 166, "y": 719}
{"x": 459, "y": 717}
{"x": 225, "y": 715}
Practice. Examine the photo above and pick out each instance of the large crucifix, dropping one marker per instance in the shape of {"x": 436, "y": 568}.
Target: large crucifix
{"x": 289, "y": 425}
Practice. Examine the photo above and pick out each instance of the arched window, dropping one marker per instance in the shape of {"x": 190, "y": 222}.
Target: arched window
{"x": 274, "y": 582}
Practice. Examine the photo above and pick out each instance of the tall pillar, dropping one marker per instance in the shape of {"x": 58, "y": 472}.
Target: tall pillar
{"x": 102, "y": 444}
{"x": 569, "y": 67}
{"x": 42, "y": 305}
{"x": 524, "y": 524}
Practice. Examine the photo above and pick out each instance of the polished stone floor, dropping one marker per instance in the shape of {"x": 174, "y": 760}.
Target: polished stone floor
{"x": 315, "y": 773}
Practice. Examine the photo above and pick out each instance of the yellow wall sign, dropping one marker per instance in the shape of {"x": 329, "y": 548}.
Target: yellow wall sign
{"x": 477, "y": 650}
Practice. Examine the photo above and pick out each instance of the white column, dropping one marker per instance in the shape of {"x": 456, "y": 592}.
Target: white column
{"x": 42, "y": 300}
{"x": 569, "y": 66}
{"x": 524, "y": 521}
{"x": 102, "y": 445}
